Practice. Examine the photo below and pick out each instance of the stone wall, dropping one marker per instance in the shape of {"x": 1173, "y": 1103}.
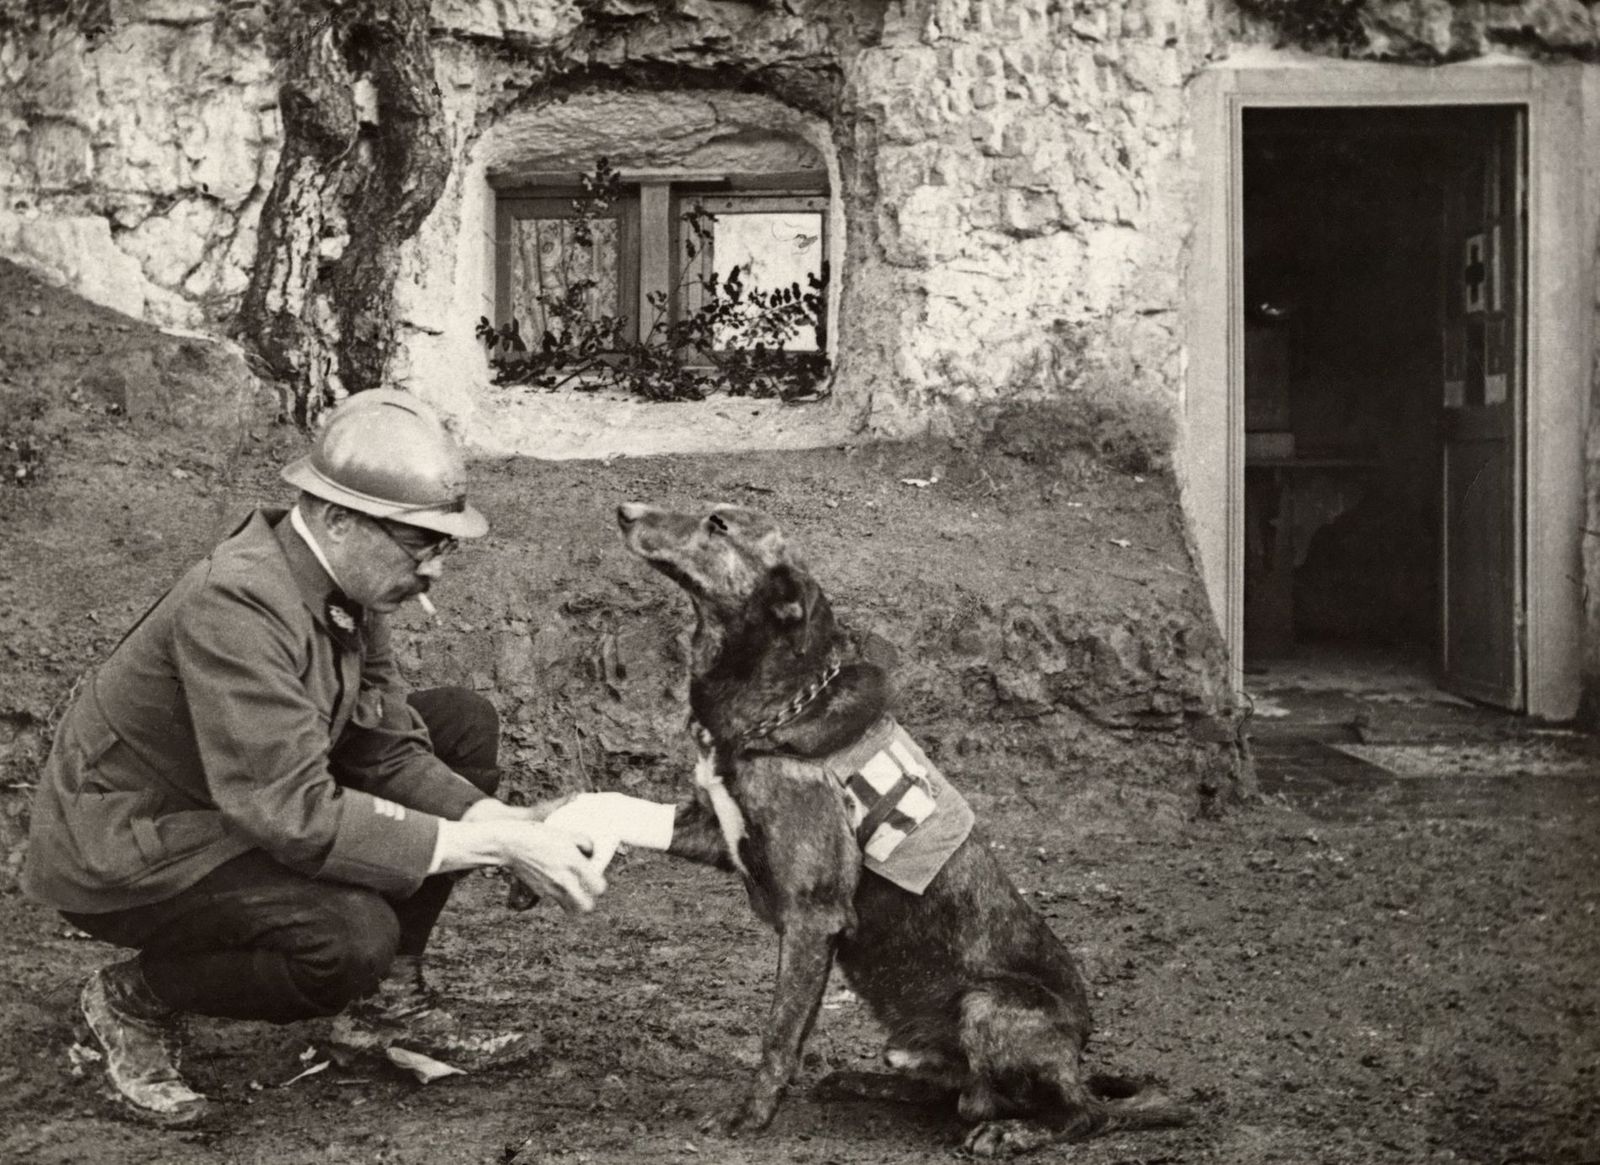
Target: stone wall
{"x": 132, "y": 168}
{"x": 1035, "y": 188}
{"x": 1010, "y": 173}
{"x": 1014, "y": 180}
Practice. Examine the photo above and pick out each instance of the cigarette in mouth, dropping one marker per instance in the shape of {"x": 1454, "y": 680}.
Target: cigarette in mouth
{"x": 426, "y": 604}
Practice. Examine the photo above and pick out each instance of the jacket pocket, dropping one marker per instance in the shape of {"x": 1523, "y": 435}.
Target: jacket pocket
{"x": 171, "y": 836}
{"x": 103, "y": 831}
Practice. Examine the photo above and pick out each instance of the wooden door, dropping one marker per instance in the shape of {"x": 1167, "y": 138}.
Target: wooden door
{"x": 1483, "y": 588}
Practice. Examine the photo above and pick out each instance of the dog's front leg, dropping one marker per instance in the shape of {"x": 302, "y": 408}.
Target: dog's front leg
{"x": 805, "y": 956}
{"x": 801, "y": 868}
{"x": 697, "y": 836}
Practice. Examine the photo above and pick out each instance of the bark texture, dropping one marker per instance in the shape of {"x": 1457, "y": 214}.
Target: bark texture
{"x": 364, "y": 160}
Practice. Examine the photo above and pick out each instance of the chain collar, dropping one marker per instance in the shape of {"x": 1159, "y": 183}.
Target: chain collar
{"x": 795, "y": 705}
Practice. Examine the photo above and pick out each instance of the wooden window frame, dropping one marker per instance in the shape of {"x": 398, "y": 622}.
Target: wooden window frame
{"x": 686, "y": 292}
{"x": 650, "y": 238}
{"x": 555, "y": 202}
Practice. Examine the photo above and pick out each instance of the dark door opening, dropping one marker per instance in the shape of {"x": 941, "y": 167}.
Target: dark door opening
{"x": 1382, "y": 329}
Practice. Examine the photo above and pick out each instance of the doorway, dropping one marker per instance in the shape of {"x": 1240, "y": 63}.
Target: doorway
{"x": 1561, "y": 132}
{"x": 1383, "y": 373}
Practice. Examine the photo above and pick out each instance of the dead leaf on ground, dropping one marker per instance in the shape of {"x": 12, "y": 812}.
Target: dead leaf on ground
{"x": 319, "y": 1066}
{"x": 424, "y": 1068}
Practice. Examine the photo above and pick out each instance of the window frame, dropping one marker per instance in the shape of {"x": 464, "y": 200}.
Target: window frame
{"x": 787, "y": 198}
{"x": 650, "y": 237}
{"x": 555, "y": 202}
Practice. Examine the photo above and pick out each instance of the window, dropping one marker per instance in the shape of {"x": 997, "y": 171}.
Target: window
{"x": 774, "y": 240}
{"x": 635, "y": 261}
{"x": 544, "y": 252}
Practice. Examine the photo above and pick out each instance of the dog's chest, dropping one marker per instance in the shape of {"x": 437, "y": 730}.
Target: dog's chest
{"x": 730, "y": 818}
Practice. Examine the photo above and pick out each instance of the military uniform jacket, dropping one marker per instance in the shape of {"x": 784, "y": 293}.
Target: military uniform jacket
{"x": 237, "y": 715}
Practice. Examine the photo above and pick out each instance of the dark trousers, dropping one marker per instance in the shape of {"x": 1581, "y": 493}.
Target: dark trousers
{"x": 254, "y": 939}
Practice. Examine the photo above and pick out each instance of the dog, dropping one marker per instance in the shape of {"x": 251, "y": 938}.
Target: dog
{"x": 808, "y": 789}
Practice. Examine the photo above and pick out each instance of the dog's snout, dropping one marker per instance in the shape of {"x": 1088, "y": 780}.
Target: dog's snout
{"x": 630, "y": 512}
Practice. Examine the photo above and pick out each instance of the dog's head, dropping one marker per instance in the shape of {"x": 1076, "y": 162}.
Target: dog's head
{"x": 735, "y": 565}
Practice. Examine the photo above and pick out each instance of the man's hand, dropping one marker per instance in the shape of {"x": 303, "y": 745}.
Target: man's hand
{"x": 557, "y": 862}
{"x": 569, "y": 865}
{"x": 493, "y": 809}
{"x": 612, "y": 818}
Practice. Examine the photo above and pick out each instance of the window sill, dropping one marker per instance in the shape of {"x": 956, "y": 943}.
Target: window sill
{"x": 601, "y": 425}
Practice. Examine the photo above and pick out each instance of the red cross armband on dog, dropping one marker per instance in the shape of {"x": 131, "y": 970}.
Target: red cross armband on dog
{"x": 907, "y": 818}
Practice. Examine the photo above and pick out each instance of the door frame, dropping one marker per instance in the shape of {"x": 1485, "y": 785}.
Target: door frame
{"x": 1559, "y": 323}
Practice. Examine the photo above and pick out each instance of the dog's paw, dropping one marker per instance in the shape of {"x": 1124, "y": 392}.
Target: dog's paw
{"x": 751, "y": 1115}
{"x": 845, "y": 1084}
{"x": 1004, "y": 1138}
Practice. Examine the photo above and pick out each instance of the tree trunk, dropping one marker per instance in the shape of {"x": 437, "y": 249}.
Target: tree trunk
{"x": 352, "y": 186}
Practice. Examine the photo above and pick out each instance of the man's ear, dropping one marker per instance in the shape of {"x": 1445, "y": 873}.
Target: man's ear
{"x": 333, "y": 519}
{"x": 794, "y": 603}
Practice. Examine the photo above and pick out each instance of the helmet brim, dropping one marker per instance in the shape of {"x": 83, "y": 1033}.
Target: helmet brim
{"x": 459, "y": 519}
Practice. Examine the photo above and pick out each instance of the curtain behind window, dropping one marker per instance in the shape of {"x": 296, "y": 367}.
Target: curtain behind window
{"x": 546, "y": 261}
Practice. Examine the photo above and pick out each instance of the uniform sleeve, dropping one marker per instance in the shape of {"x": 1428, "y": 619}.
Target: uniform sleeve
{"x": 385, "y": 750}
{"x": 263, "y": 743}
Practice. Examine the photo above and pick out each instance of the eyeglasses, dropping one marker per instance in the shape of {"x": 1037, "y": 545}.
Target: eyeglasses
{"x": 405, "y": 536}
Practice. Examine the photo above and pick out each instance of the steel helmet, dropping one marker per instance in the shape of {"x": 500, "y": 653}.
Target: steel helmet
{"x": 385, "y": 453}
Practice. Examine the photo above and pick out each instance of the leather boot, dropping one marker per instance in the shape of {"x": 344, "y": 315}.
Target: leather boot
{"x": 138, "y": 1036}
{"x": 405, "y": 1012}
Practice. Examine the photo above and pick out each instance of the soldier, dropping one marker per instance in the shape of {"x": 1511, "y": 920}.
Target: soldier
{"x": 245, "y": 794}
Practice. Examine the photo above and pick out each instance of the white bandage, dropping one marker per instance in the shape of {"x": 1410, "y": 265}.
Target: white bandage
{"x": 631, "y": 820}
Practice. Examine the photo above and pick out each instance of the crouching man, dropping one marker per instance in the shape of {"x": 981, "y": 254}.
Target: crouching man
{"x": 244, "y": 794}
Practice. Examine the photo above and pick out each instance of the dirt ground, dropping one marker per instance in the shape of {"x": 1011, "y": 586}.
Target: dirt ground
{"x": 1384, "y": 988}
{"x": 1369, "y": 967}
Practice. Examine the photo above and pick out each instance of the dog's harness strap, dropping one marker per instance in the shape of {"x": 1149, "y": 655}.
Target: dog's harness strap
{"x": 729, "y": 820}
{"x": 907, "y": 819}
{"x": 883, "y": 810}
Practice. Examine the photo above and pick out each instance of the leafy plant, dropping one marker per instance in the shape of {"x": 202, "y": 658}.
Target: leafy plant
{"x": 734, "y": 340}
{"x": 1314, "y": 22}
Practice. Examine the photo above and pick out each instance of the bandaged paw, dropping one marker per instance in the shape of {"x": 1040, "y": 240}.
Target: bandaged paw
{"x": 628, "y": 820}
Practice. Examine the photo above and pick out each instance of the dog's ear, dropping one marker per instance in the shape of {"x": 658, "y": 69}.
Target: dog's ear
{"x": 794, "y": 603}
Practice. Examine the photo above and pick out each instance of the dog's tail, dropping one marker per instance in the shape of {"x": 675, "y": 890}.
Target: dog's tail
{"x": 1127, "y": 1103}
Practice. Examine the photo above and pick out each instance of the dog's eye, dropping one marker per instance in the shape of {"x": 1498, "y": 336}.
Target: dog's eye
{"x": 717, "y": 524}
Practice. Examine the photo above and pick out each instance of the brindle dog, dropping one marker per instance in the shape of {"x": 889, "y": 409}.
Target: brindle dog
{"x": 977, "y": 995}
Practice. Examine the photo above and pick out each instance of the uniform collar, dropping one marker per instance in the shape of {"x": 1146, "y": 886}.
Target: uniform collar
{"x": 298, "y": 521}
{"x": 311, "y": 576}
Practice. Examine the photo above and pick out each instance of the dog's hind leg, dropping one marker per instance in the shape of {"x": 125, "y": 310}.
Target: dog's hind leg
{"x": 884, "y": 1087}
{"x": 1062, "y": 1109}
{"x": 1024, "y": 1087}
{"x": 1070, "y": 1108}
{"x": 1147, "y": 1109}
{"x": 915, "y": 1077}
{"x": 1010, "y": 1138}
